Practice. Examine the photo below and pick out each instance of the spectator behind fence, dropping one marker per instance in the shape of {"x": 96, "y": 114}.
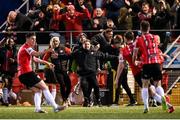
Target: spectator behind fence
{"x": 99, "y": 19}
{"x": 112, "y": 9}
{"x": 124, "y": 19}
{"x": 73, "y": 20}
{"x": 18, "y": 22}
{"x": 86, "y": 23}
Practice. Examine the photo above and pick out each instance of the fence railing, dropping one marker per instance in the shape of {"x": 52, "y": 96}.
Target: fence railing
{"x": 172, "y": 45}
{"x": 27, "y": 9}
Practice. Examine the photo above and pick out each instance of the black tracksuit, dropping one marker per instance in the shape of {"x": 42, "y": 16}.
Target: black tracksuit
{"x": 87, "y": 63}
{"x": 87, "y": 70}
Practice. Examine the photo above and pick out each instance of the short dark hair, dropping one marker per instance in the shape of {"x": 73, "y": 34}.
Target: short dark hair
{"x": 129, "y": 35}
{"x": 28, "y": 35}
{"x": 87, "y": 40}
{"x": 118, "y": 39}
{"x": 108, "y": 30}
{"x": 145, "y": 25}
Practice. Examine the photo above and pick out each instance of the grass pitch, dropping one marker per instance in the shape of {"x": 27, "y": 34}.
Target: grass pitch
{"x": 74, "y": 112}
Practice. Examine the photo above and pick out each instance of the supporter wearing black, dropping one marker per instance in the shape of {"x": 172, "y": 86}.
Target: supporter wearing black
{"x": 122, "y": 66}
{"x": 99, "y": 19}
{"x": 103, "y": 40}
{"x": 162, "y": 20}
{"x": 112, "y": 7}
{"x": 60, "y": 68}
{"x": 18, "y": 21}
{"x": 8, "y": 67}
{"x": 86, "y": 59}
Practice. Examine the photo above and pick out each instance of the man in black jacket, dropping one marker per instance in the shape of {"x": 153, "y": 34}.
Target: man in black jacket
{"x": 86, "y": 59}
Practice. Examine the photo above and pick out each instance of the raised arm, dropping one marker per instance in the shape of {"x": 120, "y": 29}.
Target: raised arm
{"x": 38, "y": 60}
{"x": 85, "y": 13}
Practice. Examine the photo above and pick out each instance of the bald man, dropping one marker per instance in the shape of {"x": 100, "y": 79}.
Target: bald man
{"x": 18, "y": 21}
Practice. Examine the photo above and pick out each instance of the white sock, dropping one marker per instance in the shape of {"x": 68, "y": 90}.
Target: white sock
{"x": 157, "y": 97}
{"x": 37, "y": 100}
{"x": 145, "y": 97}
{"x": 49, "y": 98}
{"x": 160, "y": 90}
{"x": 53, "y": 92}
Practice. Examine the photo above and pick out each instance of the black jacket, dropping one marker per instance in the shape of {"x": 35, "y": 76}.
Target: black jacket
{"x": 87, "y": 60}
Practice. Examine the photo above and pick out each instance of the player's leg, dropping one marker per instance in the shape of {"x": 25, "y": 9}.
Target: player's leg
{"x": 48, "y": 96}
{"x": 37, "y": 100}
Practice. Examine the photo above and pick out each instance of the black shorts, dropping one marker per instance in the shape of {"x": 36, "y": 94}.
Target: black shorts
{"x": 50, "y": 76}
{"x": 29, "y": 79}
{"x": 152, "y": 71}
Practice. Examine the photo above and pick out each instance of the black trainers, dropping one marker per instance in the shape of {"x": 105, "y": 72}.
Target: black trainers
{"x": 59, "y": 108}
{"x": 146, "y": 110}
{"x": 40, "y": 111}
{"x": 86, "y": 102}
{"x": 99, "y": 103}
{"x": 6, "y": 104}
{"x": 132, "y": 104}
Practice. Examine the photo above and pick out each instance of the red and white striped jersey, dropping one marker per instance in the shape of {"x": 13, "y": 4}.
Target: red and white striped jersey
{"x": 148, "y": 48}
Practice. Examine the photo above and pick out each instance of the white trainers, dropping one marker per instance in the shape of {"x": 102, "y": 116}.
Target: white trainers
{"x": 59, "y": 108}
{"x": 40, "y": 111}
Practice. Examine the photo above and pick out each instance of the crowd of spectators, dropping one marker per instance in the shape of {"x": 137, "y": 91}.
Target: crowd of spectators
{"x": 83, "y": 15}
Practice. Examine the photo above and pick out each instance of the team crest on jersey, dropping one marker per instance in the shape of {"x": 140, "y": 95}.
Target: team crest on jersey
{"x": 61, "y": 51}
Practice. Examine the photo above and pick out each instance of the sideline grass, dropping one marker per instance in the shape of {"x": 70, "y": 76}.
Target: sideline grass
{"x": 121, "y": 112}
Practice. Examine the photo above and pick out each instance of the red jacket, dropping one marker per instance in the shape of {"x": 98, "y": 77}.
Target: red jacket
{"x": 73, "y": 23}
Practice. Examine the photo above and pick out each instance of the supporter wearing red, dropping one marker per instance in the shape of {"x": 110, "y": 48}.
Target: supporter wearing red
{"x": 147, "y": 46}
{"x": 54, "y": 23}
{"x": 73, "y": 20}
{"x": 86, "y": 23}
{"x": 29, "y": 78}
